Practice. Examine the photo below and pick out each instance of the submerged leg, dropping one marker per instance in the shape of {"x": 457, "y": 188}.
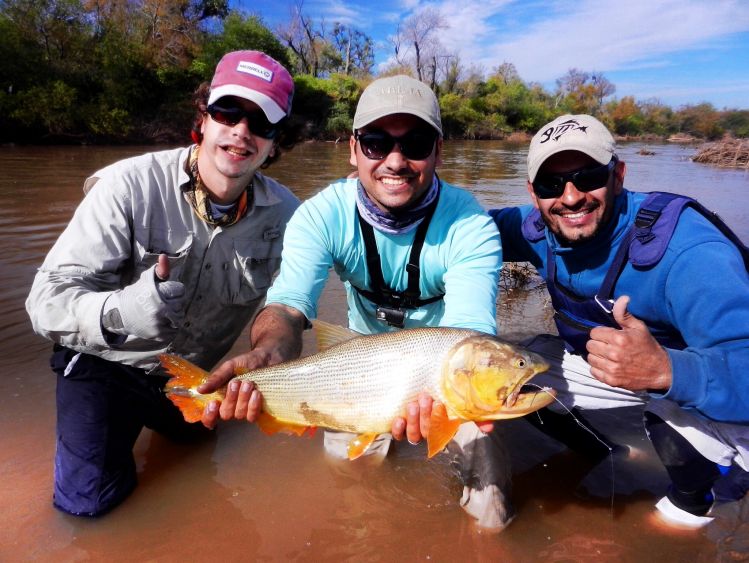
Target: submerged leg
{"x": 96, "y": 431}
{"x": 574, "y": 431}
{"x": 692, "y": 475}
{"x": 483, "y": 464}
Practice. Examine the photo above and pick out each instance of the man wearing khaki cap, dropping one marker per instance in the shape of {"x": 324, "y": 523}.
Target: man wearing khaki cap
{"x": 651, "y": 300}
{"x": 399, "y": 209}
{"x": 168, "y": 251}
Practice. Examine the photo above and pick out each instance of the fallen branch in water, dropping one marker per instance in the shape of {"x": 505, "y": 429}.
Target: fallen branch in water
{"x": 728, "y": 153}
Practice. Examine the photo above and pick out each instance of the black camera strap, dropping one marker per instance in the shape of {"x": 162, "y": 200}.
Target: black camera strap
{"x": 382, "y": 294}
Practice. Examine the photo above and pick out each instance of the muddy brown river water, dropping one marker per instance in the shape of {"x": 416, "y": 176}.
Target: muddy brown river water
{"x": 243, "y": 496}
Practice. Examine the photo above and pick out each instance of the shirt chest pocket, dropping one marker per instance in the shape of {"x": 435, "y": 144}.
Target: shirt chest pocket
{"x": 251, "y": 270}
{"x": 148, "y": 245}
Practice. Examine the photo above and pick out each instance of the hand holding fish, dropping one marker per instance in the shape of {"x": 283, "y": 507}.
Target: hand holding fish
{"x": 276, "y": 337}
{"x": 242, "y": 400}
{"x": 415, "y": 426}
{"x": 629, "y": 357}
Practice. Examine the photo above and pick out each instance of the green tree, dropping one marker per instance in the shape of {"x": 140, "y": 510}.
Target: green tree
{"x": 582, "y": 92}
{"x": 238, "y": 33}
{"x": 625, "y": 117}
{"x": 354, "y": 50}
{"x": 701, "y": 120}
{"x": 735, "y": 122}
{"x": 658, "y": 118}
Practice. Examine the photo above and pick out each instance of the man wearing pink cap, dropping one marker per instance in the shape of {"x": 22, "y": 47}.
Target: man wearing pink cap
{"x": 170, "y": 251}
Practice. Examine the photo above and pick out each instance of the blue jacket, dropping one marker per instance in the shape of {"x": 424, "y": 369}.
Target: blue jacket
{"x": 700, "y": 288}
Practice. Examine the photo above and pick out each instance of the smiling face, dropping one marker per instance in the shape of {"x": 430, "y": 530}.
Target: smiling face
{"x": 395, "y": 183}
{"x": 230, "y": 155}
{"x": 575, "y": 217}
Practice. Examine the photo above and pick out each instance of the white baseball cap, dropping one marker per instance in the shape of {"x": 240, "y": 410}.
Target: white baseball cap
{"x": 583, "y": 133}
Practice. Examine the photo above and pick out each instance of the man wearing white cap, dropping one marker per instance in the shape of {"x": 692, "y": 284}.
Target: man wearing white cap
{"x": 651, "y": 300}
{"x": 397, "y": 211}
{"x": 169, "y": 251}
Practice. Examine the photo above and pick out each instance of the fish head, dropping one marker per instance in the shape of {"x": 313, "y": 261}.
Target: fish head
{"x": 483, "y": 377}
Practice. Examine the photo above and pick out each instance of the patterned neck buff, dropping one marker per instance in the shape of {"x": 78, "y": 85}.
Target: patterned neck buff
{"x": 395, "y": 224}
{"x": 197, "y": 195}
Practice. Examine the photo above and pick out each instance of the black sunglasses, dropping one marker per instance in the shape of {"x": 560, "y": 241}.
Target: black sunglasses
{"x": 547, "y": 186}
{"x": 414, "y": 145}
{"x": 257, "y": 123}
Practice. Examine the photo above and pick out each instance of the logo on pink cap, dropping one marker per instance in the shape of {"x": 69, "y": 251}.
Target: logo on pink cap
{"x": 256, "y": 77}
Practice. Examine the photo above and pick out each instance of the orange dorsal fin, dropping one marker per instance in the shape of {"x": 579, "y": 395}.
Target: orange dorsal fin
{"x": 271, "y": 425}
{"x": 441, "y": 429}
{"x": 181, "y": 388}
{"x": 329, "y": 334}
{"x": 360, "y": 444}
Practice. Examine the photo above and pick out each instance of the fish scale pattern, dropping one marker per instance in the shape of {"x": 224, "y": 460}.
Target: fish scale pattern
{"x": 360, "y": 385}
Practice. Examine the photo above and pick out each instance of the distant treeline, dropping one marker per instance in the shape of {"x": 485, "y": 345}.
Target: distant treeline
{"x": 107, "y": 71}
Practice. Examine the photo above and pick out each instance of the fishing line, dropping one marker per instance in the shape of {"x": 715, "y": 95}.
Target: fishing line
{"x": 590, "y": 431}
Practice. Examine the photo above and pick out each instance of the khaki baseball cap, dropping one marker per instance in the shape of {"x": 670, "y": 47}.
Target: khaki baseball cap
{"x": 397, "y": 94}
{"x": 583, "y": 133}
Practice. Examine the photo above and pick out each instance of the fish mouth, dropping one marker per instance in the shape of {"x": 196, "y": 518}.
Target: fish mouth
{"x": 524, "y": 400}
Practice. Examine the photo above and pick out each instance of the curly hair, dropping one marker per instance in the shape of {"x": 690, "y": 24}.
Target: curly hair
{"x": 289, "y": 133}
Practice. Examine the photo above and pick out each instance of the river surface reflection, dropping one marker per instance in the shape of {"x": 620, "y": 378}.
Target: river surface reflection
{"x": 243, "y": 496}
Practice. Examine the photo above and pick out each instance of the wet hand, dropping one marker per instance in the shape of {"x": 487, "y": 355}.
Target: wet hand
{"x": 415, "y": 425}
{"x": 243, "y": 401}
{"x": 629, "y": 357}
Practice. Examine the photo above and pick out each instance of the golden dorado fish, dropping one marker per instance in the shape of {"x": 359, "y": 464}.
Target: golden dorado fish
{"x": 361, "y": 383}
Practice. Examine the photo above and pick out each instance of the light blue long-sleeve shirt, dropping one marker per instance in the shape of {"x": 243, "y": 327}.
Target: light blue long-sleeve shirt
{"x": 461, "y": 258}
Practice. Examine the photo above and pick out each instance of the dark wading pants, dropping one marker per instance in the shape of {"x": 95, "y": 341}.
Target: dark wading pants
{"x": 101, "y": 408}
{"x": 692, "y": 475}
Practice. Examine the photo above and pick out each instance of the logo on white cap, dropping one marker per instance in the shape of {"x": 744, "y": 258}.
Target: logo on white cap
{"x": 255, "y": 70}
{"x": 554, "y": 133}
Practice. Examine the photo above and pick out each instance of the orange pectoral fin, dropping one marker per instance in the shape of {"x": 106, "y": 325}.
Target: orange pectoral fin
{"x": 360, "y": 444}
{"x": 271, "y": 425}
{"x": 441, "y": 429}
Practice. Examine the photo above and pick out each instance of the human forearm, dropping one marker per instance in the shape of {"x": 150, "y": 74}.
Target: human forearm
{"x": 277, "y": 333}
{"x": 64, "y": 309}
{"x": 712, "y": 382}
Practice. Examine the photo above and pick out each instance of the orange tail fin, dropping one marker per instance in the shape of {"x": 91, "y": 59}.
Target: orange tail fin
{"x": 441, "y": 429}
{"x": 181, "y": 389}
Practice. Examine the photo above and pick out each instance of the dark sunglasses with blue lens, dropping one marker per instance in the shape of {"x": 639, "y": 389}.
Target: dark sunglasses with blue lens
{"x": 417, "y": 144}
{"x": 547, "y": 186}
{"x": 258, "y": 124}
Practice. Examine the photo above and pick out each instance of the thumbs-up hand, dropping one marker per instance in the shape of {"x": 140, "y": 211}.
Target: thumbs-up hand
{"x": 152, "y": 308}
{"x": 628, "y": 357}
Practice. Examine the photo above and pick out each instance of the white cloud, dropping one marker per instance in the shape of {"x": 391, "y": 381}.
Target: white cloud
{"x": 595, "y": 35}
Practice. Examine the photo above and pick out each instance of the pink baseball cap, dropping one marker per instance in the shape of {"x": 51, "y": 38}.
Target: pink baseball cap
{"x": 254, "y": 76}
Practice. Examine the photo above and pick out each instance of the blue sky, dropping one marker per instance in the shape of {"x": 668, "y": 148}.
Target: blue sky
{"x": 677, "y": 51}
